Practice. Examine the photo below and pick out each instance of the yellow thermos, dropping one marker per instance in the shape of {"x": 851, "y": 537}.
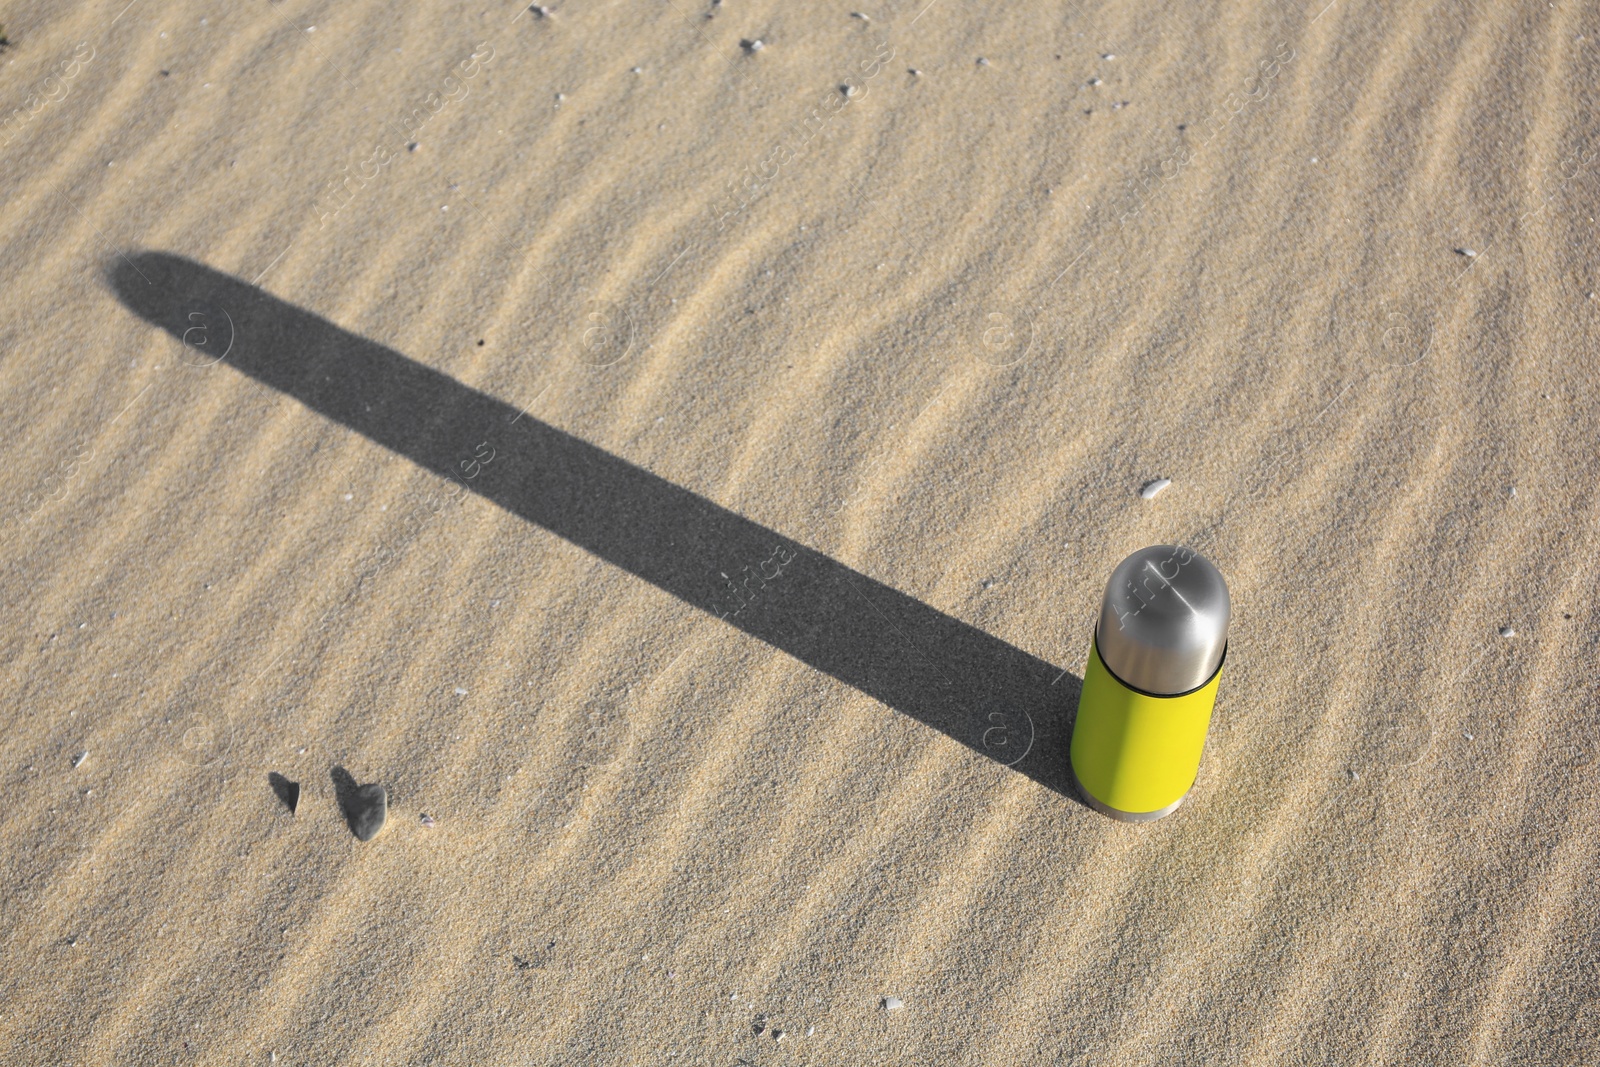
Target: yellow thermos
{"x": 1151, "y": 683}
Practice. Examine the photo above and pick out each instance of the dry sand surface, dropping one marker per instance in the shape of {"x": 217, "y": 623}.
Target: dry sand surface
{"x": 540, "y": 331}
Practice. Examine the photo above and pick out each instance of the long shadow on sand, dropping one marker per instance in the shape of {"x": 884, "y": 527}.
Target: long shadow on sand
{"x": 979, "y": 690}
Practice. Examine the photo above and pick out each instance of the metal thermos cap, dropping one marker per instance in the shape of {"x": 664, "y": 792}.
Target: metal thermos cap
{"x": 1164, "y": 622}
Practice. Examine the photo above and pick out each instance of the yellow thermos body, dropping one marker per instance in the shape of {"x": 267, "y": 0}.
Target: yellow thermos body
{"x": 1150, "y": 684}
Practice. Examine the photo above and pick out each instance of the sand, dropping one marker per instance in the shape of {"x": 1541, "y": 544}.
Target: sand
{"x": 426, "y": 395}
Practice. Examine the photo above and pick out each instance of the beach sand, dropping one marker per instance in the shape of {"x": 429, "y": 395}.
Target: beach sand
{"x": 426, "y": 394}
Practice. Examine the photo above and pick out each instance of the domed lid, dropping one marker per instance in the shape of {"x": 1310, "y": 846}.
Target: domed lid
{"x": 1164, "y": 622}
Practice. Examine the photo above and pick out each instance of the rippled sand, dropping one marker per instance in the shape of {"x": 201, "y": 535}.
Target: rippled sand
{"x": 685, "y": 473}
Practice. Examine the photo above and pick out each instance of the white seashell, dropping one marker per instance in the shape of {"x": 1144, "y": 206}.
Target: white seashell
{"x": 1152, "y": 488}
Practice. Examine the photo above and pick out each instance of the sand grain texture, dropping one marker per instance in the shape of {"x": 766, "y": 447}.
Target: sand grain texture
{"x": 498, "y": 422}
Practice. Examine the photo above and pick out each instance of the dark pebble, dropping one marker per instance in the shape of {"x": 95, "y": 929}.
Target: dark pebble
{"x": 367, "y": 810}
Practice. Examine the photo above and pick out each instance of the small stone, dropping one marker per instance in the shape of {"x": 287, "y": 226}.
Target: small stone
{"x": 1466, "y": 735}
{"x": 755, "y": 45}
{"x": 982, "y": 62}
{"x": 848, "y": 90}
{"x": 892, "y": 1004}
{"x": 779, "y": 1035}
{"x": 915, "y": 73}
{"x": 859, "y": 15}
{"x": 541, "y": 11}
{"x": 412, "y": 146}
{"x": 1150, "y": 489}
{"x": 811, "y": 1031}
{"x": 77, "y": 761}
{"x": 1109, "y": 55}
{"x": 1506, "y": 631}
{"x": 637, "y": 70}
{"x": 1094, "y": 81}
{"x": 427, "y": 820}
{"x": 460, "y": 692}
{"x": 367, "y": 811}
{"x": 759, "y": 1027}
{"x": 1469, "y": 253}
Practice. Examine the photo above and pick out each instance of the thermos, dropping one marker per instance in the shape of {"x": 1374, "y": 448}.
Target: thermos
{"x": 1151, "y": 683}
